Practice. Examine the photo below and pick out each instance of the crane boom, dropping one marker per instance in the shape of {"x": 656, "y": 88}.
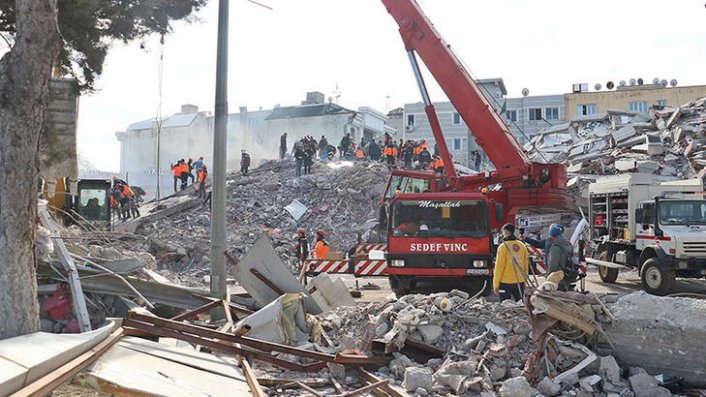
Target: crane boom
{"x": 489, "y": 130}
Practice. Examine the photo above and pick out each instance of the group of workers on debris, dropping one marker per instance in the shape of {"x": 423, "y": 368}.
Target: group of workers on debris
{"x": 410, "y": 154}
{"x": 124, "y": 200}
{"x": 303, "y": 250}
{"x": 512, "y": 261}
{"x": 182, "y": 172}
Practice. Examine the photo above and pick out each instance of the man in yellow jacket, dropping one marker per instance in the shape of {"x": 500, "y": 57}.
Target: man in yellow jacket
{"x": 511, "y": 266}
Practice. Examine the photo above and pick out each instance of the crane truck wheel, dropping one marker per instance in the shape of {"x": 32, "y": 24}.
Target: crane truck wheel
{"x": 401, "y": 285}
{"x": 657, "y": 280}
{"x": 607, "y": 274}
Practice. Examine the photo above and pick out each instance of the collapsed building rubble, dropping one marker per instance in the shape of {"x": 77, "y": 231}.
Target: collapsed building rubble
{"x": 668, "y": 141}
{"x": 342, "y": 201}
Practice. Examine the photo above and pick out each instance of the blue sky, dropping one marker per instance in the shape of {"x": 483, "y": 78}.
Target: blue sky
{"x": 315, "y": 45}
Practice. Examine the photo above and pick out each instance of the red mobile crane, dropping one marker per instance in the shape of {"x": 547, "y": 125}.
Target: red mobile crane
{"x": 440, "y": 226}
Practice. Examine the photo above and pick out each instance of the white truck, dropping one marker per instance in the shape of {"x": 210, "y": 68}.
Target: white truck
{"x": 658, "y": 227}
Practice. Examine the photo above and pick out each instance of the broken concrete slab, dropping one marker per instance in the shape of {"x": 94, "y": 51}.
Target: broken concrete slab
{"x": 329, "y": 293}
{"x": 644, "y": 385}
{"x": 140, "y": 367}
{"x": 624, "y": 133}
{"x": 283, "y": 321}
{"x": 658, "y": 334}
{"x": 263, "y": 274}
{"x": 417, "y": 377}
{"x": 26, "y": 358}
{"x": 517, "y": 387}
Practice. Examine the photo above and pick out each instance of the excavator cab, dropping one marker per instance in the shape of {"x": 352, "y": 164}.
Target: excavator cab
{"x": 92, "y": 204}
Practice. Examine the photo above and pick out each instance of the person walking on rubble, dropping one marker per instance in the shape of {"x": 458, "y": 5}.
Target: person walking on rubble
{"x": 176, "y": 169}
{"x": 190, "y": 166}
{"x": 559, "y": 257}
{"x": 511, "y": 266}
{"x": 321, "y": 247}
{"x": 244, "y": 162}
{"x": 302, "y": 253}
{"x": 298, "y": 158}
{"x": 203, "y": 177}
{"x": 282, "y": 146}
{"x": 323, "y": 148}
{"x": 308, "y": 161}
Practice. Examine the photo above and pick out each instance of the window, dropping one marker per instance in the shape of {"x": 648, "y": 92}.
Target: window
{"x": 511, "y": 115}
{"x": 440, "y": 218}
{"x": 457, "y": 118}
{"x": 638, "y": 106}
{"x": 587, "y": 109}
{"x": 253, "y": 123}
{"x": 682, "y": 213}
{"x": 662, "y": 102}
{"x": 404, "y": 184}
{"x": 535, "y": 114}
{"x": 551, "y": 113}
{"x": 410, "y": 119}
{"x": 457, "y": 144}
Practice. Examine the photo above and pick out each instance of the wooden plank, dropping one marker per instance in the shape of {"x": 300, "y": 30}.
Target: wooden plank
{"x": 370, "y": 378}
{"x": 46, "y": 384}
{"x": 188, "y": 314}
{"x": 363, "y": 390}
{"x": 255, "y": 388}
{"x": 79, "y": 300}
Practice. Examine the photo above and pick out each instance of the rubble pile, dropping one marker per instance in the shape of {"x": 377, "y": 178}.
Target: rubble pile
{"x": 483, "y": 349}
{"x": 667, "y": 141}
{"x": 340, "y": 199}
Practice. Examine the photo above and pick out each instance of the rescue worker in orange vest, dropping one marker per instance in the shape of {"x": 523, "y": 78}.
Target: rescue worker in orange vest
{"x": 360, "y": 154}
{"x": 438, "y": 165}
{"x": 321, "y": 248}
{"x": 203, "y": 177}
{"x": 425, "y": 160}
{"x": 129, "y": 207}
{"x": 185, "y": 172}
{"x": 390, "y": 154}
{"x": 176, "y": 169}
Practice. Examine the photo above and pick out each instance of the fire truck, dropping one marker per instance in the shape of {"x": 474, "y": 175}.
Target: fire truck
{"x": 441, "y": 226}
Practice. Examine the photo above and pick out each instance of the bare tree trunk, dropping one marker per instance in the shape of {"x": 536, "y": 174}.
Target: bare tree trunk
{"x": 24, "y": 86}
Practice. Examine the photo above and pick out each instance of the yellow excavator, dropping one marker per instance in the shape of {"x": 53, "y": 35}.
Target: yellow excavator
{"x": 88, "y": 208}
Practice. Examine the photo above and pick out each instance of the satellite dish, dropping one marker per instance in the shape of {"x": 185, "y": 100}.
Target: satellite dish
{"x": 622, "y": 83}
{"x": 655, "y": 81}
{"x": 610, "y": 85}
{"x": 640, "y": 81}
{"x": 598, "y": 86}
{"x": 525, "y": 92}
{"x": 663, "y": 82}
{"x": 633, "y": 81}
{"x": 673, "y": 82}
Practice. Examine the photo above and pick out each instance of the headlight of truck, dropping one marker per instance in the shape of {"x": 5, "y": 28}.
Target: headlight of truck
{"x": 397, "y": 263}
{"x": 480, "y": 263}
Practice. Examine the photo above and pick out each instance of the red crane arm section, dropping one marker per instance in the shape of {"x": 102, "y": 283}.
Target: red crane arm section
{"x": 490, "y": 132}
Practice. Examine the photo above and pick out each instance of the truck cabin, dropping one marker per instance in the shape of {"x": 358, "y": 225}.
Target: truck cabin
{"x": 409, "y": 182}
{"x": 434, "y": 217}
{"x": 664, "y": 211}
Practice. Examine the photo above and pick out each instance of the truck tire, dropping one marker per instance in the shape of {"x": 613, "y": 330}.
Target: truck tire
{"x": 401, "y": 285}
{"x": 657, "y": 280}
{"x": 607, "y": 274}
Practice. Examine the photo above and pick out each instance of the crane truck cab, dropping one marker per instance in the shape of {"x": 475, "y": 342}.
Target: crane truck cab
{"x": 657, "y": 228}
{"x": 441, "y": 235}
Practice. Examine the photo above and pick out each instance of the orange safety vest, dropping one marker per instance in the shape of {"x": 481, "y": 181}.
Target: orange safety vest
{"x": 320, "y": 250}
{"x": 394, "y": 152}
{"x": 417, "y": 150}
{"x": 113, "y": 203}
{"x": 185, "y": 168}
{"x": 438, "y": 164}
{"x": 128, "y": 192}
{"x": 388, "y": 151}
{"x": 359, "y": 154}
{"x": 203, "y": 175}
{"x": 177, "y": 169}
{"x": 424, "y": 146}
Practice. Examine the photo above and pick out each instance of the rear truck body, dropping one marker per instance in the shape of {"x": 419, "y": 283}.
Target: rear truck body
{"x": 659, "y": 228}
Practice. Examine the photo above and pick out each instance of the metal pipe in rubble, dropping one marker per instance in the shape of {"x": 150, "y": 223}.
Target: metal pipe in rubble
{"x": 218, "y": 197}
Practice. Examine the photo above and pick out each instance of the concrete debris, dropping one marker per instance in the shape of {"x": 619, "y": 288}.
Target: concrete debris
{"x": 623, "y": 141}
{"x": 341, "y": 201}
{"x": 517, "y": 387}
{"x": 417, "y": 378}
